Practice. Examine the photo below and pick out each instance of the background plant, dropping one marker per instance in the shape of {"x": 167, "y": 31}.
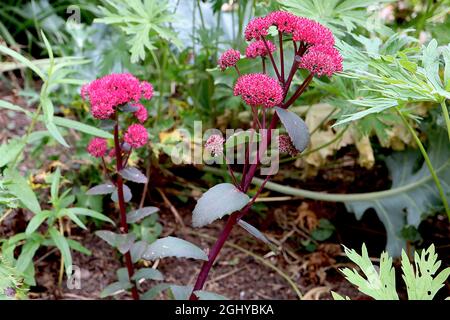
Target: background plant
{"x": 422, "y": 279}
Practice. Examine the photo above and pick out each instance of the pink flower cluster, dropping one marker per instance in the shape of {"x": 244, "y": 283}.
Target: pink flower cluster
{"x": 308, "y": 31}
{"x": 108, "y": 93}
{"x": 322, "y": 60}
{"x": 257, "y": 28}
{"x": 285, "y": 145}
{"x": 312, "y": 32}
{"x": 214, "y": 145}
{"x": 284, "y": 21}
{"x": 259, "y": 49}
{"x": 141, "y": 113}
{"x": 258, "y": 89}
{"x": 111, "y": 91}
{"x": 136, "y": 136}
{"x": 229, "y": 59}
{"x": 97, "y": 147}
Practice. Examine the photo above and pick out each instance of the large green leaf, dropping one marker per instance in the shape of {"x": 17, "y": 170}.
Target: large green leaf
{"x": 407, "y": 208}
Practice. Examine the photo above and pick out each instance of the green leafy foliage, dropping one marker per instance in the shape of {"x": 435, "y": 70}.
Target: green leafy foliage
{"x": 395, "y": 78}
{"x": 11, "y": 281}
{"x": 412, "y": 193}
{"x": 338, "y": 15}
{"x": 422, "y": 281}
{"x": 141, "y": 21}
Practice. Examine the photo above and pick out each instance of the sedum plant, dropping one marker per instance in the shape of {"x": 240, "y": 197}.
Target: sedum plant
{"x": 110, "y": 97}
{"x": 421, "y": 279}
{"x": 311, "y": 53}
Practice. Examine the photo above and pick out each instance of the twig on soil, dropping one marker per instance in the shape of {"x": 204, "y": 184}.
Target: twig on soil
{"x": 225, "y": 275}
{"x": 144, "y": 192}
{"x": 172, "y": 209}
{"x": 7, "y": 213}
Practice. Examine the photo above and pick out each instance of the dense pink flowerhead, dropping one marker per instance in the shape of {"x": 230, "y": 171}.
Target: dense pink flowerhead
{"x": 259, "y": 49}
{"x": 229, "y": 59}
{"x": 257, "y": 28}
{"x": 113, "y": 90}
{"x": 258, "y": 89}
{"x": 141, "y": 114}
{"x": 284, "y": 21}
{"x": 214, "y": 145}
{"x": 136, "y": 136}
{"x": 285, "y": 145}
{"x": 312, "y": 32}
{"x": 322, "y": 60}
{"x": 97, "y": 147}
{"x": 147, "y": 90}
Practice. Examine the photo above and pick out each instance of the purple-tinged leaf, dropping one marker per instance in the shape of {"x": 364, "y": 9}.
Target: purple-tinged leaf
{"x": 256, "y": 233}
{"x": 123, "y": 242}
{"x": 173, "y": 247}
{"x": 105, "y": 188}
{"x": 136, "y": 215}
{"x": 133, "y": 174}
{"x": 127, "y": 195}
{"x": 220, "y": 200}
{"x": 295, "y": 127}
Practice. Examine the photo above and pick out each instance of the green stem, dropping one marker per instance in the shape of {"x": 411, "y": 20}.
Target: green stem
{"x": 446, "y": 117}
{"x": 427, "y": 161}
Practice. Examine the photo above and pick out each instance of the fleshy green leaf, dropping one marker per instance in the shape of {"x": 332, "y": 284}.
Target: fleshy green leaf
{"x": 123, "y": 242}
{"x": 133, "y": 174}
{"x": 255, "y": 232}
{"x": 173, "y": 247}
{"x": 148, "y": 274}
{"x": 105, "y": 188}
{"x": 127, "y": 195}
{"x": 220, "y": 200}
{"x": 115, "y": 288}
{"x": 206, "y": 295}
{"x": 181, "y": 292}
{"x": 154, "y": 291}
{"x": 136, "y": 215}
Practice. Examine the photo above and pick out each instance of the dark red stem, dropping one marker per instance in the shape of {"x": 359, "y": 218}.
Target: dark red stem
{"x": 280, "y": 37}
{"x": 271, "y": 59}
{"x": 123, "y": 212}
{"x": 248, "y": 174}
